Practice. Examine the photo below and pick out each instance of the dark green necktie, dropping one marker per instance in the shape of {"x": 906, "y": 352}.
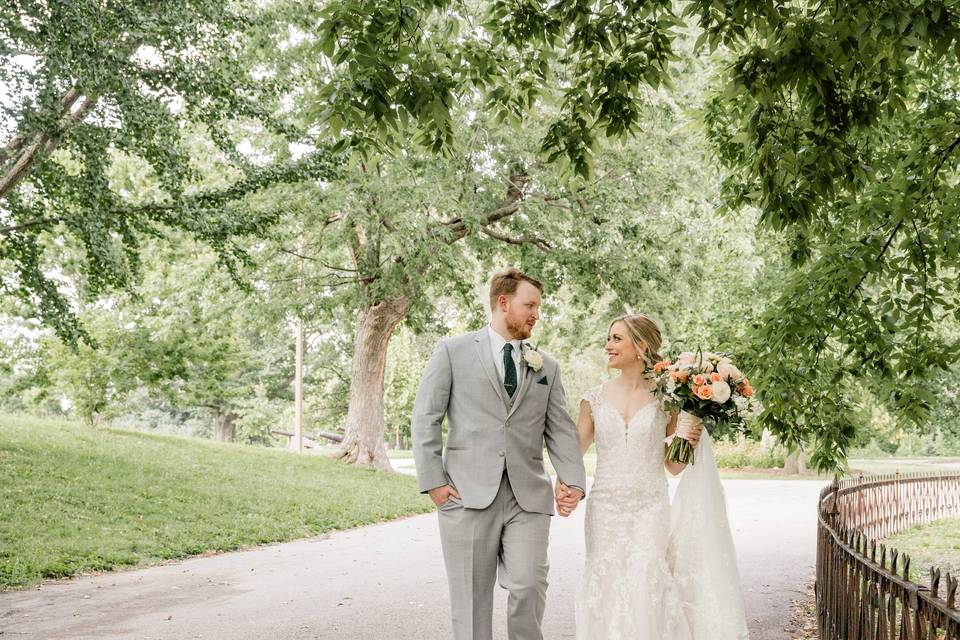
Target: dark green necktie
{"x": 509, "y": 370}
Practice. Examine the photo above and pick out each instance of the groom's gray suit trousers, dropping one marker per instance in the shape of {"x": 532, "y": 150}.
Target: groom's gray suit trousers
{"x": 481, "y": 545}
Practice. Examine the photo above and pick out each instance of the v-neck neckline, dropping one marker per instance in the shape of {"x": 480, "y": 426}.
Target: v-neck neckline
{"x": 626, "y": 423}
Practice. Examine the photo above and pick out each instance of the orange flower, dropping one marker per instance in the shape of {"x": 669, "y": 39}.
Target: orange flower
{"x": 661, "y": 366}
{"x": 715, "y": 377}
{"x": 747, "y": 391}
{"x": 699, "y": 379}
{"x": 704, "y": 391}
{"x": 675, "y": 375}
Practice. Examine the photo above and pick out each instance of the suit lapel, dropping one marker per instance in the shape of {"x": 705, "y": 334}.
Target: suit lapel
{"x": 482, "y": 343}
{"x": 527, "y": 377}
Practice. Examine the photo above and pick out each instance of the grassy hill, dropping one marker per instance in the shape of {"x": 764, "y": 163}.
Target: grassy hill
{"x": 76, "y": 499}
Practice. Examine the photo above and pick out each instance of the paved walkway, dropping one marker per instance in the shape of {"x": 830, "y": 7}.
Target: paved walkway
{"x": 386, "y": 581}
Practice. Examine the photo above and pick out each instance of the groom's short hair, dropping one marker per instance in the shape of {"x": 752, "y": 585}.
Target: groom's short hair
{"x": 505, "y": 283}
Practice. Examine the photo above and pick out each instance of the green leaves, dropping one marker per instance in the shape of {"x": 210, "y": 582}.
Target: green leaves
{"x": 399, "y": 74}
{"x": 94, "y": 84}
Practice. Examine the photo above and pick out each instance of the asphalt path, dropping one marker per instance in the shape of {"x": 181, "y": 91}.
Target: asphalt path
{"x": 387, "y": 581}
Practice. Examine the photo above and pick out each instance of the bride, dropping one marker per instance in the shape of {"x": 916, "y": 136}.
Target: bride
{"x": 653, "y": 571}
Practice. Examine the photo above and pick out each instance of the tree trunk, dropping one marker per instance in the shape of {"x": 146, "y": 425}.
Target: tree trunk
{"x": 363, "y": 443}
{"x": 794, "y": 462}
{"x": 226, "y": 426}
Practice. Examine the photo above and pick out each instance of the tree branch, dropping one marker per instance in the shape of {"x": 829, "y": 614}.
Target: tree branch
{"x": 75, "y": 109}
{"x": 878, "y": 258}
{"x": 515, "y": 193}
{"x": 923, "y": 308}
{"x": 317, "y": 260}
{"x": 540, "y": 243}
{"x": 33, "y": 223}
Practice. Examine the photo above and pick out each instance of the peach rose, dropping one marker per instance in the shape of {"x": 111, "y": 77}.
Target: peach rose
{"x": 675, "y": 375}
{"x": 715, "y": 377}
{"x": 747, "y": 391}
{"x": 683, "y": 377}
{"x": 661, "y": 366}
{"x": 704, "y": 392}
{"x": 728, "y": 371}
{"x": 699, "y": 379}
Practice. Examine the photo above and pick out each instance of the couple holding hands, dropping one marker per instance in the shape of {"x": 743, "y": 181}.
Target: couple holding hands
{"x": 653, "y": 571}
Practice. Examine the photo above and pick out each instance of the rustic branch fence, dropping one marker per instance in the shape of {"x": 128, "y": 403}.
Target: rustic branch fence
{"x": 863, "y": 588}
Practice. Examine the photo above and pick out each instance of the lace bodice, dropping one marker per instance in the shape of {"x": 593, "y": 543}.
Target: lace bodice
{"x": 629, "y": 454}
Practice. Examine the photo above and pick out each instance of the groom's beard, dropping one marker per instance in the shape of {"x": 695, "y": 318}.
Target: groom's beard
{"x": 520, "y": 330}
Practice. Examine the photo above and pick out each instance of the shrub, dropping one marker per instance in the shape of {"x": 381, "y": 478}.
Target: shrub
{"x": 748, "y": 453}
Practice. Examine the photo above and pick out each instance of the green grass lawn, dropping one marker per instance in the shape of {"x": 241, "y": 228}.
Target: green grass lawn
{"x": 937, "y": 543}
{"x": 76, "y": 499}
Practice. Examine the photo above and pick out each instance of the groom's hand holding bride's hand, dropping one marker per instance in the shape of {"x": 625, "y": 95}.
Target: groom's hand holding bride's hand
{"x": 440, "y": 495}
{"x": 567, "y": 499}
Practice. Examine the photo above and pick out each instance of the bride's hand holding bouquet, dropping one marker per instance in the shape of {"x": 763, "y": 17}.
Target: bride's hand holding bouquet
{"x": 704, "y": 385}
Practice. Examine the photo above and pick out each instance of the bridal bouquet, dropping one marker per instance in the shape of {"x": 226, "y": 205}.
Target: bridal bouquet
{"x": 706, "y": 385}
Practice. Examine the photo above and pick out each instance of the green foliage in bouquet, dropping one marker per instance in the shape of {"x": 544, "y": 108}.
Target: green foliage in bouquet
{"x": 706, "y": 385}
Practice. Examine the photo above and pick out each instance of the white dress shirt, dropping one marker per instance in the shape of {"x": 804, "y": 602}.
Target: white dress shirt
{"x": 497, "y": 342}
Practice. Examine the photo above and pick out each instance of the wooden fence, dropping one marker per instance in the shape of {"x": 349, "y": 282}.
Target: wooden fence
{"x": 863, "y": 588}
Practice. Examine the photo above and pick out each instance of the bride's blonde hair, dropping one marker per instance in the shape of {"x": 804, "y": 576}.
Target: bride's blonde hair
{"x": 642, "y": 329}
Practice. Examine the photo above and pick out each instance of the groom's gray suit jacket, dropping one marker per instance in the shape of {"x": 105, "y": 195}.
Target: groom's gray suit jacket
{"x": 488, "y": 432}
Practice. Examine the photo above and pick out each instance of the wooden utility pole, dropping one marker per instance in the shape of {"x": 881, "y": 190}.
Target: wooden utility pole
{"x": 298, "y": 374}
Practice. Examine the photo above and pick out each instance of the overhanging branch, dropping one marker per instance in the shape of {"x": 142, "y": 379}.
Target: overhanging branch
{"x": 457, "y": 227}
{"x": 539, "y": 243}
{"x": 13, "y": 228}
{"x": 75, "y": 109}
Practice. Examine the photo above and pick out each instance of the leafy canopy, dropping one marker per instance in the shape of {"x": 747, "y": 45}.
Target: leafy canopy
{"x": 88, "y": 83}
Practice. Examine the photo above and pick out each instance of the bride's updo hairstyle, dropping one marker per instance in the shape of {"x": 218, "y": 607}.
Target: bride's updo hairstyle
{"x": 640, "y": 328}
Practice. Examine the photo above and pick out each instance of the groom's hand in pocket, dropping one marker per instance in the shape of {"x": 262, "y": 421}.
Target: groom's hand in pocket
{"x": 440, "y": 495}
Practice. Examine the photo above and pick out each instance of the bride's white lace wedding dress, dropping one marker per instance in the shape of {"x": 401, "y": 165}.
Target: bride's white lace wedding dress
{"x": 652, "y": 571}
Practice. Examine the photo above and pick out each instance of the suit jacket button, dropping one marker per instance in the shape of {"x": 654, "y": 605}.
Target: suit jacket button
{"x": 500, "y": 453}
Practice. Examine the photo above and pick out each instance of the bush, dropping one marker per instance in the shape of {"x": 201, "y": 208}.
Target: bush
{"x": 747, "y": 453}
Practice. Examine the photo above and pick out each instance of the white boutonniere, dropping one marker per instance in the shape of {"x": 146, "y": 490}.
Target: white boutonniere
{"x": 533, "y": 359}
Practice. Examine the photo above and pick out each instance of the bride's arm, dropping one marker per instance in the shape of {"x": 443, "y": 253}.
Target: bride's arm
{"x": 585, "y": 426}
{"x": 673, "y": 467}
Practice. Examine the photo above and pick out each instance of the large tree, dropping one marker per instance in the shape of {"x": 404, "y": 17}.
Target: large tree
{"x": 839, "y": 120}
{"x": 402, "y": 237}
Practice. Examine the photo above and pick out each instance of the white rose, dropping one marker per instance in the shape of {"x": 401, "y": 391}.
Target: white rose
{"x": 686, "y": 358}
{"x": 721, "y": 392}
{"x": 728, "y": 371}
{"x": 534, "y": 359}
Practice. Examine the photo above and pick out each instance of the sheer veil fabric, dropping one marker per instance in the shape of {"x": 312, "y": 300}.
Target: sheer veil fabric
{"x": 702, "y": 557}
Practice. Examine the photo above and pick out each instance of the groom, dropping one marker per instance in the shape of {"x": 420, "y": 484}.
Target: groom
{"x": 502, "y": 400}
